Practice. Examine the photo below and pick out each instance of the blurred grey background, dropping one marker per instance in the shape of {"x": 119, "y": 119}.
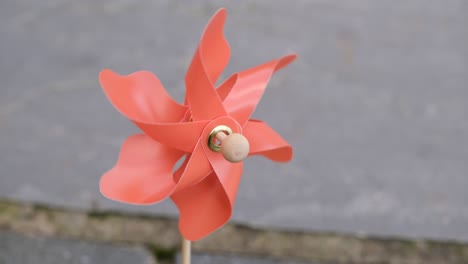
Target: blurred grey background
{"x": 375, "y": 106}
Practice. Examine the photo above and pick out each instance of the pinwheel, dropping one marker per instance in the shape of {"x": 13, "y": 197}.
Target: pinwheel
{"x": 212, "y": 130}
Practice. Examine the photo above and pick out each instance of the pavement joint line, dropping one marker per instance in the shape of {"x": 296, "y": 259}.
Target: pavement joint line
{"x": 160, "y": 235}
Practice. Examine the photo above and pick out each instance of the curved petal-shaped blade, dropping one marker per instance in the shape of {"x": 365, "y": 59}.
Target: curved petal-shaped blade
{"x": 266, "y": 142}
{"x": 196, "y": 169}
{"x": 214, "y": 48}
{"x": 140, "y": 97}
{"x": 210, "y": 59}
{"x": 225, "y": 88}
{"x": 249, "y": 87}
{"x": 143, "y": 173}
{"x": 205, "y": 206}
{"x": 229, "y": 175}
{"x": 182, "y": 136}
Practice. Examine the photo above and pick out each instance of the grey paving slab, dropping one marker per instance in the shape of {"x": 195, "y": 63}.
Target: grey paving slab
{"x": 16, "y": 249}
{"x": 212, "y": 259}
{"x": 375, "y": 106}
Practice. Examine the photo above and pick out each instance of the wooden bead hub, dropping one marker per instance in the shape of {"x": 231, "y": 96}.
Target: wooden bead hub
{"x": 234, "y": 146}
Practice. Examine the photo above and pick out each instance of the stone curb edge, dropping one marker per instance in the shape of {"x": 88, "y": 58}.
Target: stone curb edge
{"x": 160, "y": 235}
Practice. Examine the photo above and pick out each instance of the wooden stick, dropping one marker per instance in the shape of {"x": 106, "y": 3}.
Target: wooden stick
{"x": 186, "y": 251}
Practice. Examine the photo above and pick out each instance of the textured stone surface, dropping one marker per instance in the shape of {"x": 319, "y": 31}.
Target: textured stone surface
{"x": 375, "y": 105}
{"x": 216, "y": 259}
{"x": 15, "y": 249}
{"x": 161, "y": 237}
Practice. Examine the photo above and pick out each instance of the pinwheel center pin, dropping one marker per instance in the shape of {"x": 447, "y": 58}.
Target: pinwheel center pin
{"x": 234, "y": 146}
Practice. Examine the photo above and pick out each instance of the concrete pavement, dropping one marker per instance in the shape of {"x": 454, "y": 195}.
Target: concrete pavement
{"x": 375, "y": 106}
{"x": 20, "y": 249}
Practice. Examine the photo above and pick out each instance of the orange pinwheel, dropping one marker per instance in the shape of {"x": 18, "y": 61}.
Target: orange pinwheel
{"x": 204, "y": 187}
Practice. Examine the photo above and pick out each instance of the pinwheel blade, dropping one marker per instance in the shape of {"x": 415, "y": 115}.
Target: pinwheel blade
{"x": 204, "y": 207}
{"x": 249, "y": 86}
{"x": 143, "y": 173}
{"x": 140, "y": 97}
{"x": 182, "y": 136}
{"x": 210, "y": 59}
{"x": 266, "y": 142}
